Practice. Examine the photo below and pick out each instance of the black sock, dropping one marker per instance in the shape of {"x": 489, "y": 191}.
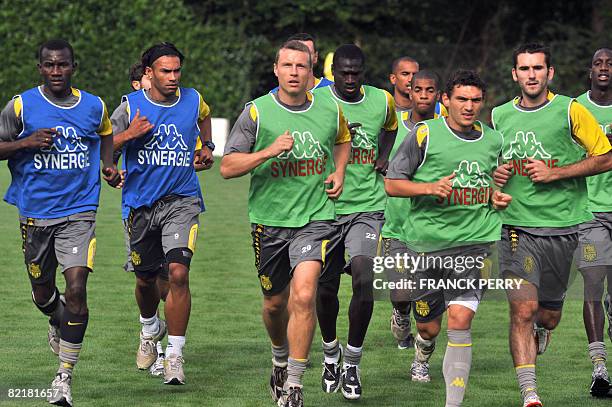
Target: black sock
{"x": 362, "y": 302}
{"x": 327, "y": 308}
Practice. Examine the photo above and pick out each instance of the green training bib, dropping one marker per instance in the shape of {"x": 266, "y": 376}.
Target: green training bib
{"x": 396, "y": 212}
{"x": 364, "y": 188}
{"x": 599, "y": 186}
{"x": 465, "y": 216}
{"x": 289, "y": 190}
{"x": 543, "y": 134}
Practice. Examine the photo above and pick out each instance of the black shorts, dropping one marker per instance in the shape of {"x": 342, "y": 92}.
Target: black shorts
{"x": 357, "y": 234}
{"x": 434, "y": 281}
{"x": 169, "y": 226}
{"x": 278, "y": 250}
{"x": 544, "y": 261}
{"x": 69, "y": 242}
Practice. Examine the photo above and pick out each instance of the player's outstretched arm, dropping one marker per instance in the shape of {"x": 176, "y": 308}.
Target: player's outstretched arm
{"x": 41, "y": 138}
{"x": 203, "y": 157}
{"x": 109, "y": 169}
{"x": 386, "y": 139}
{"x": 406, "y": 188}
{"x": 335, "y": 180}
{"x": 539, "y": 172}
{"x": 237, "y": 164}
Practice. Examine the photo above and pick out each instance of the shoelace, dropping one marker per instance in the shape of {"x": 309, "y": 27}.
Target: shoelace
{"x": 401, "y": 320}
{"x": 330, "y": 368}
{"x": 600, "y": 370}
{"x": 353, "y": 374}
{"x": 421, "y": 368}
{"x": 147, "y": 346}
{"x": 174, "y": 364}
{"x": 280, "y": 374}
{"x": 295, "y": 397}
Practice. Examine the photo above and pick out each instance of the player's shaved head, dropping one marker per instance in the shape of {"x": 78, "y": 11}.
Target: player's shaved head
{"x": 55, "y": 45}
{"x": 398, "y": 61}
{"x": 426, "y": 74}
{"x": 349, "y": 51}
{"x": 604, "y": 50}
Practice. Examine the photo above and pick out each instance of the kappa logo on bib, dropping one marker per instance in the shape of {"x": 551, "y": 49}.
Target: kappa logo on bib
{"x": 304, "y": 146}
{"x": 469, "y": 175}
{"x": 166, "y": 137}
{"x": 526, "y": 145}
{"x": 470, "y": 186}
{"x": 363, "y": 151}
{"x": 66, "y": 141}
{"x": 523, "y": 147}
{"x": 166, "y": 148}
{"x": 305, "y": 158}
{"x": 360, "y": 140}
{"x": 66, "y": 153}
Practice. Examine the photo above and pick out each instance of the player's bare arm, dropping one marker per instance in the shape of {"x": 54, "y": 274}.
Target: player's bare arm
{"x": 109, "y": 168}
{"x": 386, "y": 139}
{"x": 41, "y": 138}
{"x": 539, "y": 172}
{"x": 238, "y": 164}
{"x": 336, "y": 179}
{"x": 203, "y": 158}
{"x": 406, "y": 188}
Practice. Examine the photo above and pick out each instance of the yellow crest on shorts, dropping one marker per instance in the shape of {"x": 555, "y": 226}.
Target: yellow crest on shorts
{"x": 422, "y": 308}
{"x": 135, "y": 258}
{"x": 589, "y": 252}
{"x": 34, "y": 270}
{"x": 266, "y": 283}
{"x": 528, "y": 264}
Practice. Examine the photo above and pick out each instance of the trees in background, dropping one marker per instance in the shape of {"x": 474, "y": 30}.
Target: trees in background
{"x": 230, "y": 45}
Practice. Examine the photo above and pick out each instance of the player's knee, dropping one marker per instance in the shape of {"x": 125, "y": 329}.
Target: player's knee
{"x": 593, "y": 284}
{"x": 76, "y": 297}
{"x": 428, "y": 330}
{"x": 179, "y": 275}
{"x": 549, "y": 318}
{"x": 42, "y": 294}
{"x": 523, "y": 312}
{"x": 460, "y": 320}
{"x": 327, "y": 292}
{"x": 302, "y": 298}
{"x": 274, "y": 305}
{"x": 146, "y": 281}
{"x": 362, "y": 269}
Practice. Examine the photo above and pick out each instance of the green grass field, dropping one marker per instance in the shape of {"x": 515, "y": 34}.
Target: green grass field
{"x": 227, "y": 352}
